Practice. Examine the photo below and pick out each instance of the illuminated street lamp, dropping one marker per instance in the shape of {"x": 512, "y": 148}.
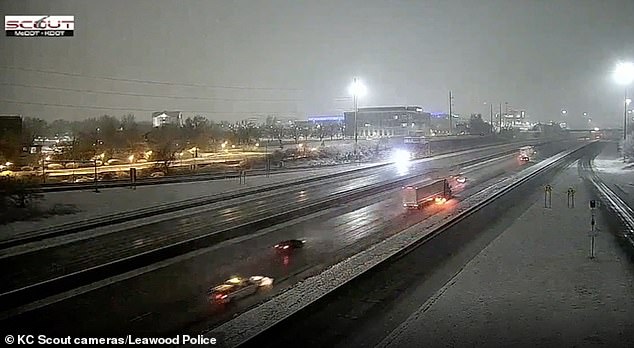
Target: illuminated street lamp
{"x": 356, "y": 89}
{"x": 624, "y": 75}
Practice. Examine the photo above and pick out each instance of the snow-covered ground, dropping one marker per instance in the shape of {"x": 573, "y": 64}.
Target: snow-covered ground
{"x": 116, "y": 200}
{"x": 618, "y": 175}
{"x": 534, "y": 286}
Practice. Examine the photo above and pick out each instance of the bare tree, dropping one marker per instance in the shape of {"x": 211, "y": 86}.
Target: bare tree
{"x": 296, "y": 134}
{"x": 165, "y": 143}
{"x": 32, "y": 128}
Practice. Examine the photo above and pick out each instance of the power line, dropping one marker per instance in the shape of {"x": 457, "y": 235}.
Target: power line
{"x": 145, "y": 95}
{"x": 146, "y": 81}
{"x": 134, "y": 109}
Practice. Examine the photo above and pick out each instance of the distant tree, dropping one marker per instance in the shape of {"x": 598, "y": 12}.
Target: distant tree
{"x": 331, "y": 130}
{"x": 271, "y": 120}
{"x": 128, "y": 135}
{"x": 107, "y": 134}
{"x": 296, "y": 134}
{"x": 60, "y": 127}
{"x": 304, "y": 132}
{"x": 320, "y": 132}
{"x": 165, "y": 143}
{"x": 242, "y": 133}
{"x": 197, "y": 131}
{"x": 478, "y": 126}
{"x": 33, "y": 128}
{"x": 278, "y": 132}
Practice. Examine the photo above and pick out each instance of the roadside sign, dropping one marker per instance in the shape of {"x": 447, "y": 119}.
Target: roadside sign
{"x": 594, "y": 204}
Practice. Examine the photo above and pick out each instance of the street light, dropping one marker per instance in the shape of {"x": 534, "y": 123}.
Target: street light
{"x": 624, "y": 75}
{"x": 490, "y": 117}
{"x": 356, "y": 89}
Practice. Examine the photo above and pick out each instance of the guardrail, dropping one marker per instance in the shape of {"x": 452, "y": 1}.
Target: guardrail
{"x": 173, "y": 179}
{"x": 271, "y": 315}
{"x": 36, "y": 291}
{"x": 614, "y": 204}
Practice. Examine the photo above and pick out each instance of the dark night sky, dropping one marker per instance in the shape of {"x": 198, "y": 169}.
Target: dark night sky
{"x": 539, "y": 55}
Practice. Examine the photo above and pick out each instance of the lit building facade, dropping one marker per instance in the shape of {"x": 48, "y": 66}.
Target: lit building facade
{"x": 161, "y": 118}
{"x": 387, "y": 121}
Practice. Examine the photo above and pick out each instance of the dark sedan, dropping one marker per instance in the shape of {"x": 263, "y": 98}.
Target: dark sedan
{"x": 291, "y": 244}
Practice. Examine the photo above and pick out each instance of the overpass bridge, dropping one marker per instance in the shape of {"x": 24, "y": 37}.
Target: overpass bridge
{"x": 598, "y": 133}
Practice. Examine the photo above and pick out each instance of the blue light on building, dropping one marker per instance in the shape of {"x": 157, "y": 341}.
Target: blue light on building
{"x": 316, "y": 119}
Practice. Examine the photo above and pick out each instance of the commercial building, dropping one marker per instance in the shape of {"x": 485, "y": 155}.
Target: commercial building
{"x": 162, "y": 118}
{"x": 387, "y": 121}
{"x": 514, "y": 119}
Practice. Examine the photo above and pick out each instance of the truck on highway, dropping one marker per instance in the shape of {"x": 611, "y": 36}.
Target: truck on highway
{"x": 527, "y": 153}
{"x": 415, "y": 196}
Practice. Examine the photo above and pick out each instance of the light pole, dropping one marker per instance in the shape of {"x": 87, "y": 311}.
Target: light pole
{"x": 450, "y": 112}
{"x": 357, "y": 89}
{"x": 500, "y": 118}
{"x": 624, "y": 75}
{"x": 267, "y": 163}
{"x": 491, "y": 126}
{"x": 491, "y": 118}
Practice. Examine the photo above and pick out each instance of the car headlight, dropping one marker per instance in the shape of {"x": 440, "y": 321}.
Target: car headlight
{"x": 401, "y": 156}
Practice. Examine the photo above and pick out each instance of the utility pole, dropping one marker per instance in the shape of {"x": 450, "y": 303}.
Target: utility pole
{"x": 267, "y": 164}
{"x": 491, "y": 118}
{"x": 506, "y": 109}
{"x": 625, "y": 118}
{"x": 500, "y": 118}
{"x": 450, "y": 112}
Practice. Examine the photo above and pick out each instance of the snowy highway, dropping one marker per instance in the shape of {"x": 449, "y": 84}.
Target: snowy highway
{"x": 170, "y": 297}
{"x": 88, "y": 250}
{"x": 514, "y": 274}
